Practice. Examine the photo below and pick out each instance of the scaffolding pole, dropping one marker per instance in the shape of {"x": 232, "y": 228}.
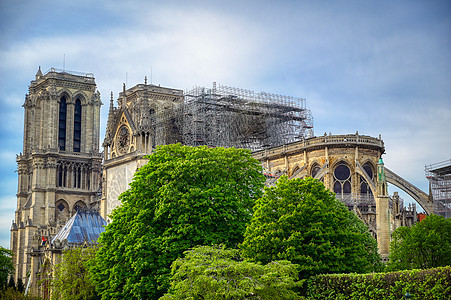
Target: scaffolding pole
{"x": 439, "y": 176}
{"x": 232, "y": 117}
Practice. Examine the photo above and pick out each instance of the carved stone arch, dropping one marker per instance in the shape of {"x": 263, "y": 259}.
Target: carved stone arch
{"x": 371, "y": 163}
{"x": 344, "y": 161}
{"x": 64, "y": 92}
{"x": 81, "y": 96}
{"x": 80, "y": 204}
{"x": 360, "y": 170}
{"x": 38, "y": 99}
{"x": 295, "y": 168}
{"x": 62, "y": 211}
{"x": 312, "y": 165}
{"x": 298, "y": 171}
{"x": 314, "y": 170}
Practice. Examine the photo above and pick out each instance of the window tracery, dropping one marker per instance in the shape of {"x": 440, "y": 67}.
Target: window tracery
{"x": 342, "y": 179}
{"x": 73, "y": 175}
{"x": 364, "y": 186}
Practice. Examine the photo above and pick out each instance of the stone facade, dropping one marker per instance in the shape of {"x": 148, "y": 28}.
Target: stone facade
{"x": 139, "y": 123}
{"x": 351, "y": 167}
{"x": 60, "y": 166}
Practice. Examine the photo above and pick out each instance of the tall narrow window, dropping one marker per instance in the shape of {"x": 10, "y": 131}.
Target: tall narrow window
{"x": 60, "y": 175}
{"x": 364, "y": 186}
{"x": 62, "y": 125}
{"x": 77, "y": 126}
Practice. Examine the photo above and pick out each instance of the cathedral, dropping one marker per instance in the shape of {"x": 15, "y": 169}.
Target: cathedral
{"x": 63, "y": 178}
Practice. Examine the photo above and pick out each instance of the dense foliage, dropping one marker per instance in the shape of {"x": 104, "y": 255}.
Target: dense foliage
{"x": 421, "y": 284}
{"x": 6, "y": 266}
{"x": 71, "y": 278}
{"x": 12, "y": 293}
{"x": 426, "y": 245}
{"x": 300, "y": 221}
{"x": 184, "y": 196}
{"x": 218, "y": 273}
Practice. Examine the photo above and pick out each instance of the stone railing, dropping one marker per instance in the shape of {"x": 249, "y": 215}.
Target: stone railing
{"x": 75, "y": 73}
{"x": 74, "y": 76}
{"x": 321, "y": 141}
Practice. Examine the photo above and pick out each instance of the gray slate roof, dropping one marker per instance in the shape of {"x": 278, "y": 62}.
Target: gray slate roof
{"x": 83, "y": 226}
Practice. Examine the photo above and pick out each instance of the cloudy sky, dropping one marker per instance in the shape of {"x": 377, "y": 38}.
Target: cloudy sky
{"x": 377, "y": 67}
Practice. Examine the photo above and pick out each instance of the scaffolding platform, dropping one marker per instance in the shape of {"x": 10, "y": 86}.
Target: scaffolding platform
{"x": 224, "y": 116}
{"x": 439, "y": 176}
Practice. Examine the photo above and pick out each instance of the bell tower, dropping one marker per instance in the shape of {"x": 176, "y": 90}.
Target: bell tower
{"x": 60, "y": 167}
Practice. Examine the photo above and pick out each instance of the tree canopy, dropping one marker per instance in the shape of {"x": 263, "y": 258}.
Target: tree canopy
{"x": 184, "y": 196}
{"x": 6, "y": 266}
{"x": 300, "y": 221}
{"x": 207, "y": 272}
{"x": 426, "y": 245}
{"x": 71, "y": 278}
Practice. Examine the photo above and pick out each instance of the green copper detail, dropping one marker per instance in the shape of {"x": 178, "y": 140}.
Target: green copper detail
{"x": 380, "y": 171}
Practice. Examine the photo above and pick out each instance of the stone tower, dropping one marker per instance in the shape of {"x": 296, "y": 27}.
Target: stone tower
{"x": 59, "y": 169}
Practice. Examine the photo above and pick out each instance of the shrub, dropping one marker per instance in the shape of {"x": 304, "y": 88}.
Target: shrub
{"x": 422, "y": 284}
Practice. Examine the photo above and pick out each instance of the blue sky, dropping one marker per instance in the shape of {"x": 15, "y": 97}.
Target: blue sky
{"x": 377, "y": 67}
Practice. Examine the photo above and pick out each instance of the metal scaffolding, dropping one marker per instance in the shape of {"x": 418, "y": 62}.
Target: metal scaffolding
{"x": 439, "y": 176}
{"x": 231, "y": 117}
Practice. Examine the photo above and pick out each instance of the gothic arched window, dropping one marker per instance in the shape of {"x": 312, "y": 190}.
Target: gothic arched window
{"x": 77, "y": 126}
{"x": 80, "y": 205}
{"x": 342, "y": 180}
{"x": 315, "y": 170}
{"x": 62, "y": 213}
{"x": 364, "y": 186}
{"x": 60, "y": 175}
{"x": 62, "y": 124}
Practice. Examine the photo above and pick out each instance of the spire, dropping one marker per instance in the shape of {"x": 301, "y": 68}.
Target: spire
{"x": 110, "y": 118}
{"x": 39, "y": 73}
{"x": 111, "y": 103}
{"x": 145, "y": 109}
{"x": 124, "y": 99}
{"x": 380, "y": 170}
{"x": 381, "y": 179}
{"x": 145, "y": 80}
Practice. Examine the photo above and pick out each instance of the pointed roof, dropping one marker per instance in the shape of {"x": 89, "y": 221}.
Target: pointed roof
{"x": 84, "y": 226}
{"x": 39, "y": 72}
{"x": 381, "y": 171}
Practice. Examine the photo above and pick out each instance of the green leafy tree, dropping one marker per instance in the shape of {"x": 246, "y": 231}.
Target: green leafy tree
{"x": 426, "y": 245}
{"x": 6, "y": 266}
{"x": 208, "y": 272}
{"x": 184, "y": 196}
{"x": 71, "y": 277}
{"x": 300, "y": 221}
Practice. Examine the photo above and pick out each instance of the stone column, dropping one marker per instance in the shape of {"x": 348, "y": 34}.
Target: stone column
{"x": 382, "y": 213}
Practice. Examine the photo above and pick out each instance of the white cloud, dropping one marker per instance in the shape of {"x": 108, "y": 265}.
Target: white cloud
{"x": 376, "y": 69}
